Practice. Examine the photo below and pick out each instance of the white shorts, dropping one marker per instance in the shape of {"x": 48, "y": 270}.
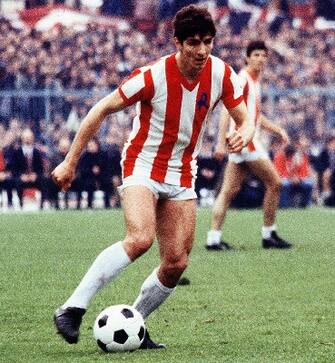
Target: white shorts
{"x": 160, "y": 190}
{"x": 246, "y": 155}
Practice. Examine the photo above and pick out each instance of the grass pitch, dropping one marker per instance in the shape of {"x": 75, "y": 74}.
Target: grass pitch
{"x": 249, "y": 306}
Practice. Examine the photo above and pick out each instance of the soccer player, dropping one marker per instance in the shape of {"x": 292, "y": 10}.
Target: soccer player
{"x": 253, "y": 158}
{"x": 174, "y": 97}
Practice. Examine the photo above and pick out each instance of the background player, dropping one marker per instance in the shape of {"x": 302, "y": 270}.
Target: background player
{"x": 174, "y": 97}
{"x": 253, "y": 158}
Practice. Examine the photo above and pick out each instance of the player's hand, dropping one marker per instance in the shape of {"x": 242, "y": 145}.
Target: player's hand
{"x": 284, "y": 136}
{"x": 219, "y": 152}
{"x": 235, "y": 142}
{"x": 63, "y": 175}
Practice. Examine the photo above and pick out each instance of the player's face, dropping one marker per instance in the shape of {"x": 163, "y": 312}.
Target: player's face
{"x": 196, "y": 50}
{"x": 257, "y": 59}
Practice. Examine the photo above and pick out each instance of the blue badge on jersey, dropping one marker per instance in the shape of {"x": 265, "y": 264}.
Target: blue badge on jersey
{"x": 202, "y": 102}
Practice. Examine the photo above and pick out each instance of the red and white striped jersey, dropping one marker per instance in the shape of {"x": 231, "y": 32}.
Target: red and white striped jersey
{"x": 171, "y": 117}
{"x": 252, "y": 97}
{"x": 252, "y": 94}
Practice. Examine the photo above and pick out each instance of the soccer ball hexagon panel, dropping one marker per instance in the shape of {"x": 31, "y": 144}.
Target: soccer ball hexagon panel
{"x": 119, "y": 328}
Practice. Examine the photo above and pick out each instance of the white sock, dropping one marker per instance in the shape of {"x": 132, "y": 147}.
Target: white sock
{"x": 153, "y": 293}
{"x": 267, "y": 230}
{"x": 105, "y": 268}
{"x": 213, "y": 237}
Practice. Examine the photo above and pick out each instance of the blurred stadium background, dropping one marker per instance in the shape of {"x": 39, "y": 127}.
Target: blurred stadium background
{"x": 58, "y": 57}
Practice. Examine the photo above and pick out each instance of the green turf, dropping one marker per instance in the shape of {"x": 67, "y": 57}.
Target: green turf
{"x": 249, "y": 306}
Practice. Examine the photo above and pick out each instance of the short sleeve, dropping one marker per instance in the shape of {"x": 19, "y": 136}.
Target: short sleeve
{"x": 131, "y": 89}
{"x": 137, "y": 87}
{"x": 232, "y": 90}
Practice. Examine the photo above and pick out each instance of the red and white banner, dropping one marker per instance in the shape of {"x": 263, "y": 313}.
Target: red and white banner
{"x": 47, "y": 17}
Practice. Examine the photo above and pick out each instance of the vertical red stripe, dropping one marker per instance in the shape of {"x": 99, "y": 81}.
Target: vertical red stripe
{"x": 258, "y": 105}
{"x": 138, "y": 141}
{"x": 228, "y": 90}
{"x": 171, "y": 123}
{"x": 250, "y": 146}
{"x": 245, "y": 96}
{"x": 246, "y": 93}
{"x": 227, "y": 87}
{"x": 199, "y": 117}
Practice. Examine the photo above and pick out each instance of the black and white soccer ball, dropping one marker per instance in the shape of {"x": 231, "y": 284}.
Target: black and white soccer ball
{"x": 119, "y": 328}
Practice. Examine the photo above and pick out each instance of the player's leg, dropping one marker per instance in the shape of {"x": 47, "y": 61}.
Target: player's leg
{"x": 175, "y": 231}
{"x": 325, "y": 185}
{"x": 232, "y": 181}
{"x": 267, "y": 173}
{"x": 139, "y": 208}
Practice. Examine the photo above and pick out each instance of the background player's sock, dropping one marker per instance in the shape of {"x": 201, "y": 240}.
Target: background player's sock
{"x": 213, "y": 237}
{"x": 267, "y": 230}
{"x": 106, "y": 267}
{"x": 153, "y": 293}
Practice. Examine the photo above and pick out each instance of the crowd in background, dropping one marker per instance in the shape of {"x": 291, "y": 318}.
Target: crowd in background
{"x": 96, "y": 60}
{"x": 167, "y": 8}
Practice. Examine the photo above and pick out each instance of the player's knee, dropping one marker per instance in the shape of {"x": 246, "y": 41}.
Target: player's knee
{"x": 139, "y": 242}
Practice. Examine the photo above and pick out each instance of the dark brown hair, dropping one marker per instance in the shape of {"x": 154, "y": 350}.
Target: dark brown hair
{"x": 256, "y": 45}
{"x": 193, "y": 20}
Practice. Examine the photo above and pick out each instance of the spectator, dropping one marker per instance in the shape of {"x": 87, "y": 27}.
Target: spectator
{"x": 26, "y": 167}
{"x": 327, "y": 159}
{"x": 53, "y": 189}
{"x": 6, "y": 182}
{"x": 294, "y": 169}
{"x": 113, "y": 146}
{"x": 95, "y": 173}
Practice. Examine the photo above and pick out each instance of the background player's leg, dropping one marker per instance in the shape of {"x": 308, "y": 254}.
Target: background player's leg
{"x": 175, "y": 230}
{"x": 267, "y": 173}
{"x": 232, "y": 181}
{"x": 265, "y": 170}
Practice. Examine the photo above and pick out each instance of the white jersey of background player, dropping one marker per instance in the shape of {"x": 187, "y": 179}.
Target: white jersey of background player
{"x": 253, "y": 158}
{"x": 252, "y": 97}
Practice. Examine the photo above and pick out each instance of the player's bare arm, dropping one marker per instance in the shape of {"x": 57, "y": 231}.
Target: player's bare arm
{"x": 221, "y": 146}
{"x": 245, "y": 129}
{"x": 270, "y": 126}
{"x": 64, "y": 173}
